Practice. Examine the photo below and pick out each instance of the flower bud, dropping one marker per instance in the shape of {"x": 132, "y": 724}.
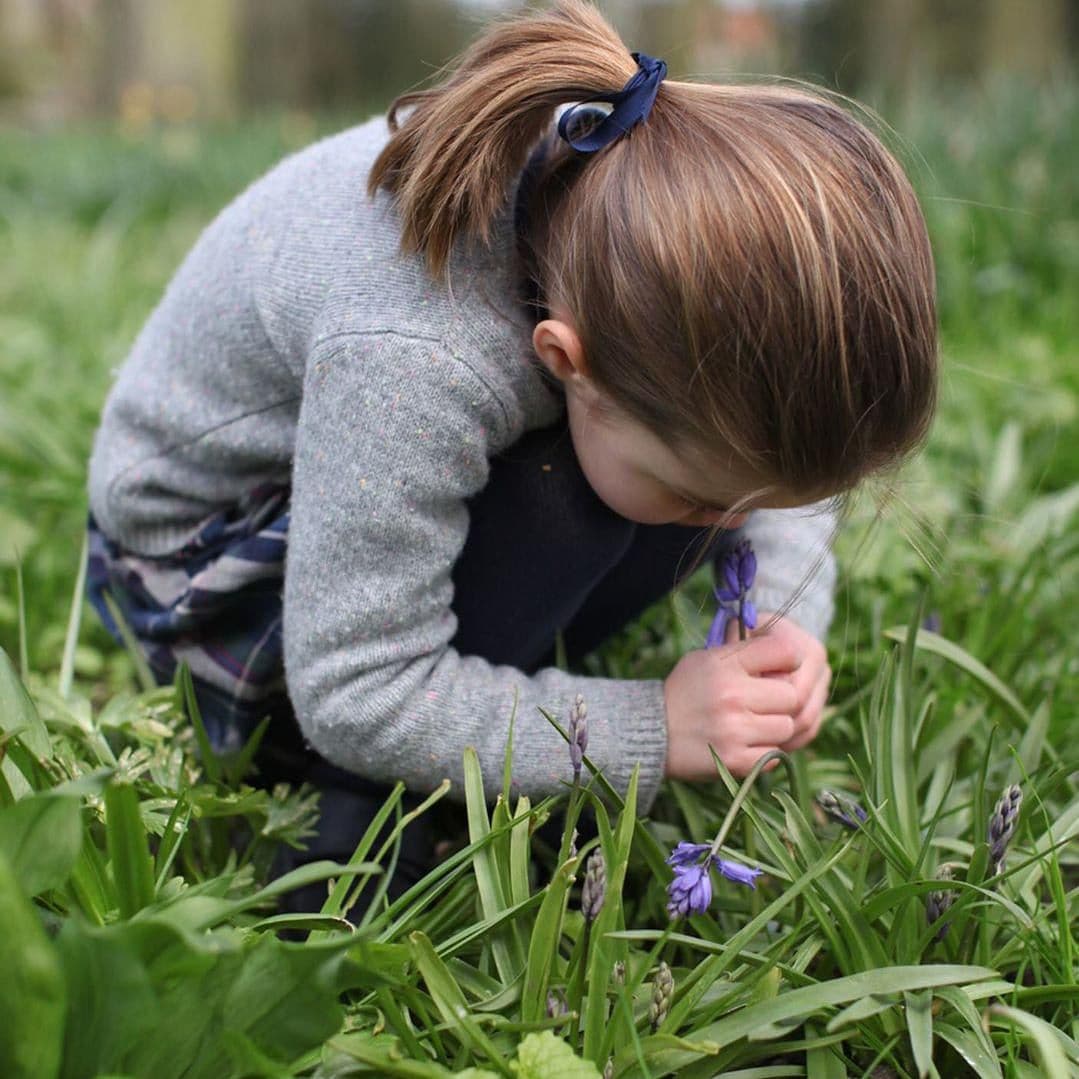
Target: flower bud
{"x": 937, "y": 903}
{"x": 578, "y": 735}
{"x": 842, "y": 808}
{"x": 662, "y": 994}
{"x": 595, "y": 885}
{"x": 1002, "y": 826}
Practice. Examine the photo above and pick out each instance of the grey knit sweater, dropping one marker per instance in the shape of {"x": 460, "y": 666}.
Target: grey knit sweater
{"x": 296, "y": 344}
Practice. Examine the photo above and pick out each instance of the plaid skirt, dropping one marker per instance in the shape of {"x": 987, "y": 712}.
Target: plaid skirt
{"x": 215, "y": 605}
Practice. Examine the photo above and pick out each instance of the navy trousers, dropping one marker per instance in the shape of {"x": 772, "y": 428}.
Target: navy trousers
{"x": 543, "y": 555}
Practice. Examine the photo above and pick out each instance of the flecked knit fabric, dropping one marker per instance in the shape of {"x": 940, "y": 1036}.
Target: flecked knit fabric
{"x": 296, "y": 345}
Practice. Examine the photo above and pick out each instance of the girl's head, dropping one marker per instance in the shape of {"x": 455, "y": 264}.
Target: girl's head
{"x": 744, "y": 278}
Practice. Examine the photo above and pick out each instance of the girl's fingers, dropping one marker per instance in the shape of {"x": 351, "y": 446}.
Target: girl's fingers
{"x": 770, "y": 696}
{"x": 768, "y": 732}
{"x": 807, "y": 730}
{"x": 769, "y": 655}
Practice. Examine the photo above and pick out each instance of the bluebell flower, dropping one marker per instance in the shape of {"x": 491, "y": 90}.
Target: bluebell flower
{"x": 685, "y": 853}
{"x": 740, "y": 874}
{"x": 738, "y": 572}
{"x": 690, "y": 892}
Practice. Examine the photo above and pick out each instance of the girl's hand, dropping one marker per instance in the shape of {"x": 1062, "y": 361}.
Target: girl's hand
{"x": 811, "y": 680}
{"x": 740, "y": 699}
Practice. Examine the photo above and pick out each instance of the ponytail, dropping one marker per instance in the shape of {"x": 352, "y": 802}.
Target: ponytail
{"x": 748, "y": 270}
{"x": 452, "y": 161}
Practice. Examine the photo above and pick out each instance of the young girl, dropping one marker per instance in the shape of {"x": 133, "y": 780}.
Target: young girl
{"x": 496, "y": 373}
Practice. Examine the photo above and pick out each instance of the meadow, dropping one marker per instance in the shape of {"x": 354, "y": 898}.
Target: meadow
{"x": 906, "y": 922}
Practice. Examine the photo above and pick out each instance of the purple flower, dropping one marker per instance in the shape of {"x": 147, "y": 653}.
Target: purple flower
{"x": 686, "y": 853}
{"x": 738, "y": 572}
{"x": 690, "y": 892}
{"x": 717, "y": 632}
{"x": 740, "y": 874}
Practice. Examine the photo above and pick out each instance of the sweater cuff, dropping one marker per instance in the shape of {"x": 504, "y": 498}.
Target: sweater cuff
{"x": 634, "y": 730}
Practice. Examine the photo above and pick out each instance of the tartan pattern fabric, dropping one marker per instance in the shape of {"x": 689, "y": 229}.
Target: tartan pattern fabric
{"x": 214, "y": 604}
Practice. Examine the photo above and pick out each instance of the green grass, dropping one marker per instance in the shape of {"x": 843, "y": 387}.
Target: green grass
{"x": 142, "y": 937}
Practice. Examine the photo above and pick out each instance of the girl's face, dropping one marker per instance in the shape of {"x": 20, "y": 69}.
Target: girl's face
{"x": 633, "y": 471}
{"x": 636, "y": 474}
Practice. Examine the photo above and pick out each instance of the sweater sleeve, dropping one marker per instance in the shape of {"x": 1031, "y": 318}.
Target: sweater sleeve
{"x": 393, "y": 438}
{"x": 795, "y": 564}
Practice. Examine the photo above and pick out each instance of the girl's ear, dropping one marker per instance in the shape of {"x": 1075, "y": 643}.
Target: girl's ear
{"x": 559, "y": 350}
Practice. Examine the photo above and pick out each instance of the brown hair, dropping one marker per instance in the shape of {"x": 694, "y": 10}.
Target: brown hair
{"x": 747, "y": 269}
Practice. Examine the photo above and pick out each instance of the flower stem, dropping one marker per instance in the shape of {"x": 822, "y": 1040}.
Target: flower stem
{"x": 746, "y": 787}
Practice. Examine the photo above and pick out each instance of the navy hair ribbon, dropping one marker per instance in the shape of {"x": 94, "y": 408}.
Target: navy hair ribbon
{"x": 587, "y": 130}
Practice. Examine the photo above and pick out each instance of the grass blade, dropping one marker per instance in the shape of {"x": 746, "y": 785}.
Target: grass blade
{"x": 74, "y": 619}
{"x": 940, "y": 646}
{"x": 129, "y": 856}
{"x": 451, "y": 1003}
{"x": 1041, "y": 1036}
{"x": 508, "y": 951}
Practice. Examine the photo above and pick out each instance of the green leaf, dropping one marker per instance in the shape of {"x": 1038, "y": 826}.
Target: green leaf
{"x": 102, "y": 1027}
{"x": 984, "y": 1064}
{"x": 451, "y": 1003}
{"x": 383, "y": 1054}
{"x": 605, "y": 950}
{"x": 284, "y": 996}
{"x": 186, "y": 688}
{"x": 824, "y": 1061}
{"x": 129, "y": 856}
{"x": 800, "y": 1004}
{"x": 940, "y": 646}
{"x": 19, "y": 716}
{"x": 507, "y": 951}
{"x": 545, "y": 1056}
{"x": 32, "y": 990}
{"x": 520, "y": 851}
{"x": 71, "y": 639}
{"x": 178, "y": 1004}
{"x": 919, "y": 1015}
{"x": 41, "y": 838}
{"x": 863, "y": 1008}
{"x": 1041, "y": 1036}
{"x": 962, "y": 1004}
{"x": 138, "y": 658}
{"x": 543, "y": 948}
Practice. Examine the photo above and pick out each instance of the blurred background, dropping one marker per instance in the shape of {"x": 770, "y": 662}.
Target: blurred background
{"x": 183, "y": 60}
{"x": 126, "y": 124}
